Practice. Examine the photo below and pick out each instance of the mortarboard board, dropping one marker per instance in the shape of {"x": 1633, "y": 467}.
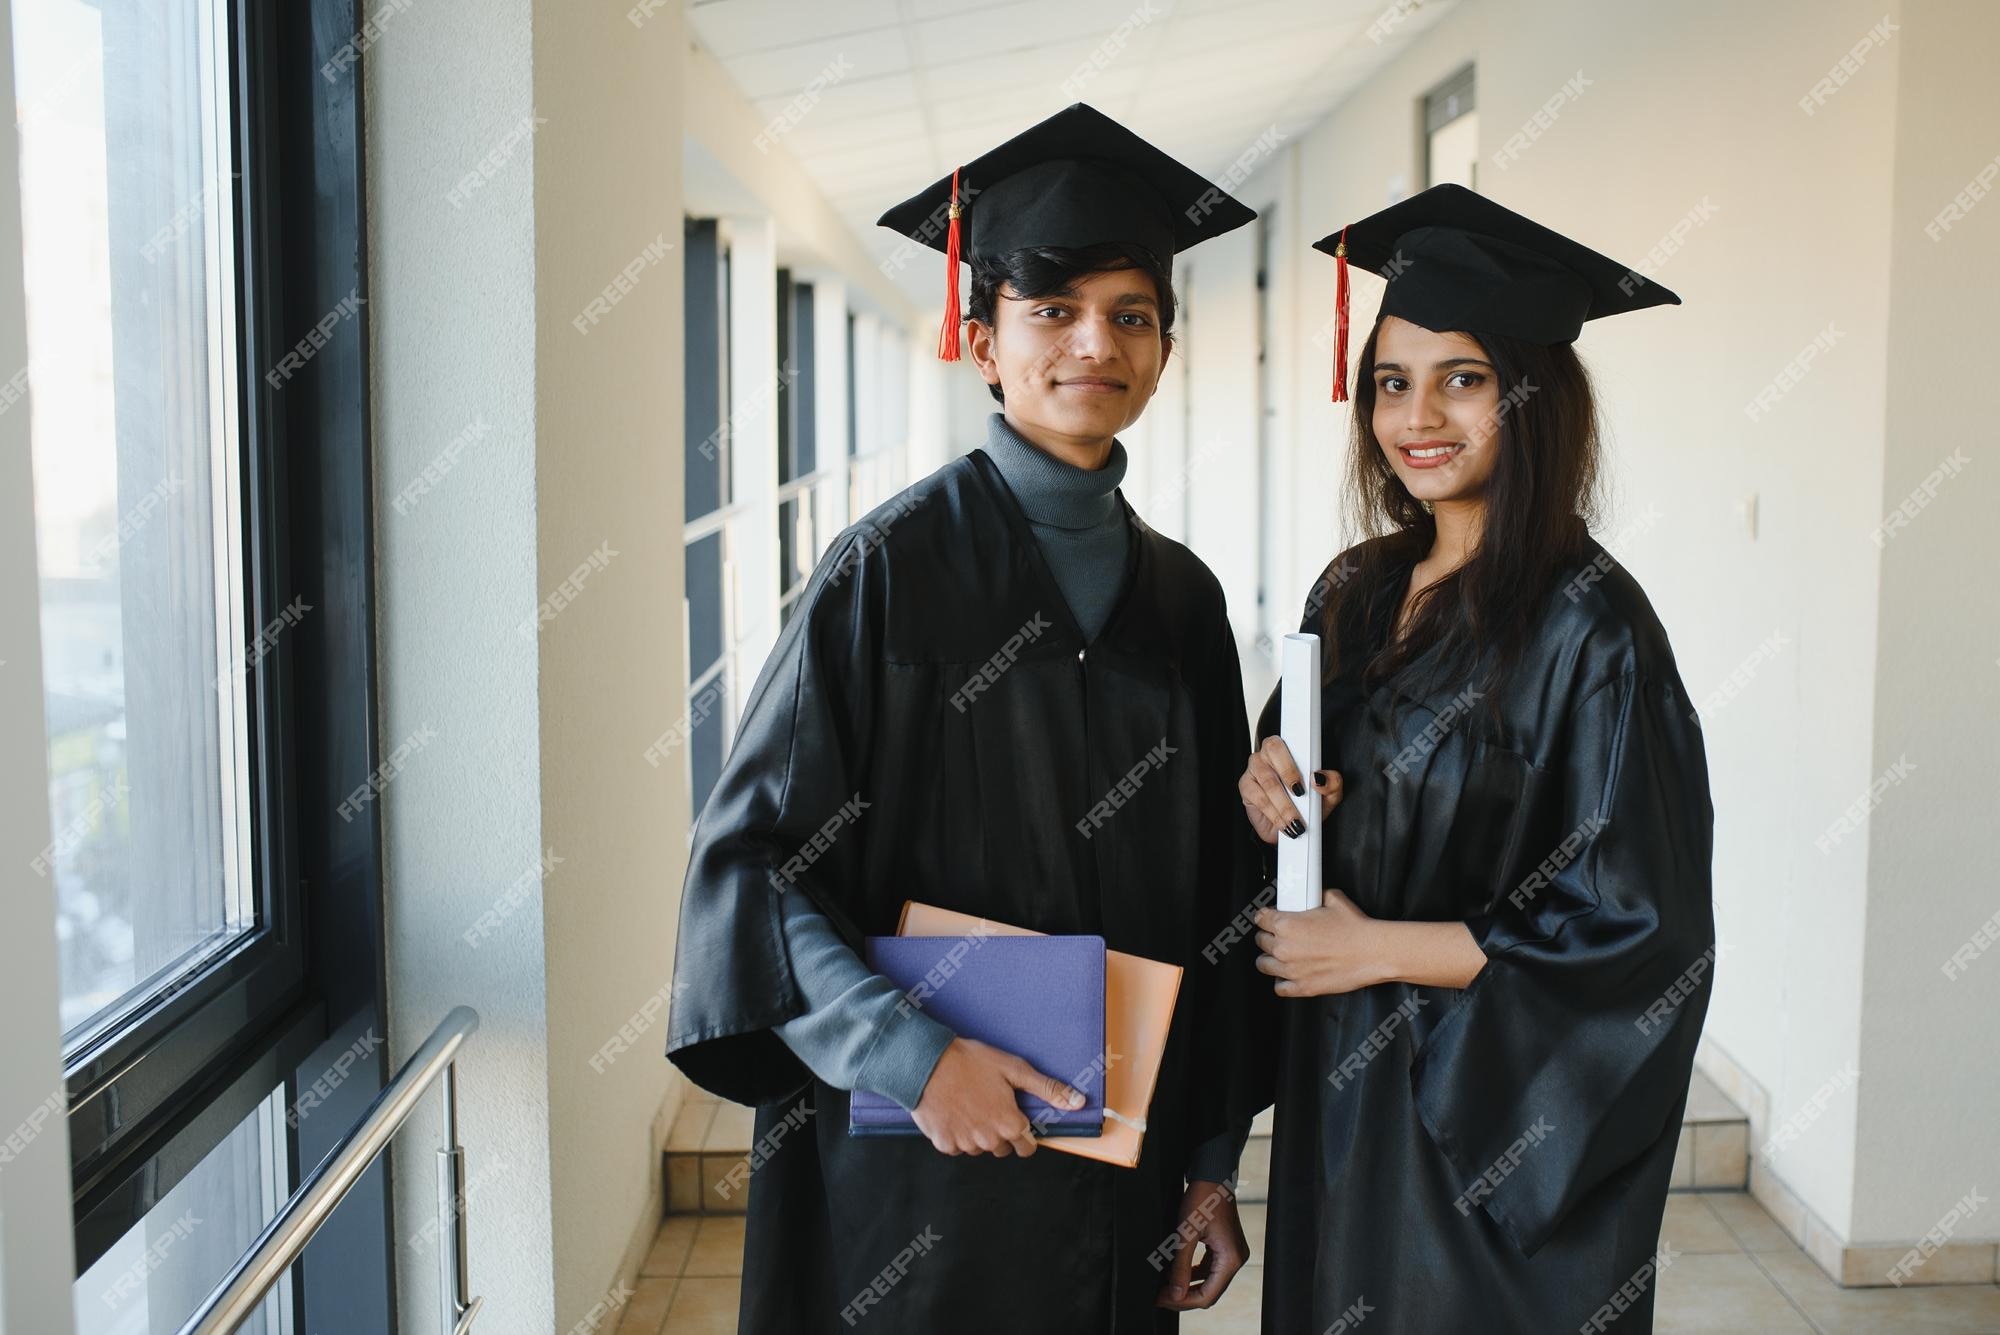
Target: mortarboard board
{"x": 1077, "y": 179}
{"x": 1455, "y": 260}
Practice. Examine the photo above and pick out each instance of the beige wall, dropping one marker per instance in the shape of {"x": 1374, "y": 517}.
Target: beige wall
{"x": 608, "y": 467}
{"x": 539, "y": 738}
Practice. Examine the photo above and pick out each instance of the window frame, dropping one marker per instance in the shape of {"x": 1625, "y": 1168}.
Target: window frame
{"x": 150, "y": 1097}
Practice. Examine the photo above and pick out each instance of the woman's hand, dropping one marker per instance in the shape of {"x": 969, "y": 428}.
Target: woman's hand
{"x": 1318, "y": 952}
{"x": 1271, "y": 775}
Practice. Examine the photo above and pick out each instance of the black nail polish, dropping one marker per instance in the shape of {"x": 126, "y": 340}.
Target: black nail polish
{"x": 1298, "y": 790}
{"x": 1296, "y": 828}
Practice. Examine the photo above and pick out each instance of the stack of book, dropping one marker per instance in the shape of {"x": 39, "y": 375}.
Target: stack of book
{"x": 1094, "y": 1018}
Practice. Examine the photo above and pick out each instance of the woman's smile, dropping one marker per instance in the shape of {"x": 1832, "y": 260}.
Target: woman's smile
{"x": 1430, "y": 453}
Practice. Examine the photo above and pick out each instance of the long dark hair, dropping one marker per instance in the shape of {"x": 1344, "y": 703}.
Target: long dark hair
{"x": 1473, "y": 625}
{"x": 1048, "y": 271}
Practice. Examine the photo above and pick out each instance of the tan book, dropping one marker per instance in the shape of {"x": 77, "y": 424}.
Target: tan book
{"x": 1139, "y": 999}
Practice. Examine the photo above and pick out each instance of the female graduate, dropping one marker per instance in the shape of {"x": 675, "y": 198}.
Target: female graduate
{"x": 1487, "y": 1030}
{"x": 971, "y": 668}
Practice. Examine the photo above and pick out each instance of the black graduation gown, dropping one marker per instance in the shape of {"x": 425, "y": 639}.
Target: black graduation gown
{"x": 933, "y": 683}
{"x": 1495, "y": 1159}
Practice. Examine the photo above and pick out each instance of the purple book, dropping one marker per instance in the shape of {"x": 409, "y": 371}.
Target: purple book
{"x": 1039, "y": 997}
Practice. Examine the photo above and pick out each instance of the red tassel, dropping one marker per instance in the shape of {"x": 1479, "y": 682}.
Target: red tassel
{"x": 948, "y": 335}
{"x": 1340, "y": 321}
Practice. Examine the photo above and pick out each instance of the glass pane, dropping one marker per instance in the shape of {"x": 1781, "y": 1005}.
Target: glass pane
{"x": 782, "y": 400}
{"x": 894, "y": 389}
{"x": 874, "y": 478}
{"x": 861, "y": 484}
{"x": 708, "y": 738}
{"x": 800, "y": 382}
{"x": 130, "y": 259}
{"x": 853, "y": 434}
{"x": 831, "y": 498}
{"x": 154, "y": 1277}
{"x": 788, "y": 545}
{"x": 705, "y": 594}
{"x": 707, "y": 455}
{"x": 798, "y": 541}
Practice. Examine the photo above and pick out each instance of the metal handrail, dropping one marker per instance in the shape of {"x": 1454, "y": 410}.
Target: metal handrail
{"x": 279, "y": 1245}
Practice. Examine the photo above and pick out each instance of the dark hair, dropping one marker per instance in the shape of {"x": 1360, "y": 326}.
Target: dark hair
{"x": 1049, "y": 271}
{"x": 1539, "y": 504}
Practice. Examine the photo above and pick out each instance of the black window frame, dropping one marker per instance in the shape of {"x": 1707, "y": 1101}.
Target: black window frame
{"x": 150, "y": 1097}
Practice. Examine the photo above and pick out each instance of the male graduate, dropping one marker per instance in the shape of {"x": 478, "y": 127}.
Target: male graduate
{"x": 1000, "y": 693}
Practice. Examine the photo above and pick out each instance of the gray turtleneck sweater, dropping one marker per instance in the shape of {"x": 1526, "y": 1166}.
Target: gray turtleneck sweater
{"x": 853, "y": 1034}
{"x": 1076, "y": 518}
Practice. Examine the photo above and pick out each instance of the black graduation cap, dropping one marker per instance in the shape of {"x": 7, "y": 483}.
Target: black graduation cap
{"x": 1455, "y": 260}
{"x": 1077, "y": 179}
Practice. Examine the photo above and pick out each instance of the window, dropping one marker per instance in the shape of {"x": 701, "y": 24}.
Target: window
{"x": 711, "y": 571}
{"x": 191, "y": 238}
{"x": 130, "y": 264}
{"x": 789, "y": 438}
{"x": 810, "y": 509}
{"x": 879, "y": 371}
{"x": 162, "y": 1268}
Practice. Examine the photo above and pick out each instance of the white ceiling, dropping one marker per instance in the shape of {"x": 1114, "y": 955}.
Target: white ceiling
{"x": 929, "y": 84}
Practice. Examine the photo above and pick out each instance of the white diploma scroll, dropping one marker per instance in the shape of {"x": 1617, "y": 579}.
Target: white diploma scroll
{"x": 1298, "y": 725}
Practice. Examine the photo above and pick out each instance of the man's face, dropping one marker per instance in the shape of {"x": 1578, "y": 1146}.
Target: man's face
{"x": 1080, "y": 364}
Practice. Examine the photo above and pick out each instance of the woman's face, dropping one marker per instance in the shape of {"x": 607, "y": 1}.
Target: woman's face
{"x": 1081, "y": 364}
{"x": 1437, "y": 417}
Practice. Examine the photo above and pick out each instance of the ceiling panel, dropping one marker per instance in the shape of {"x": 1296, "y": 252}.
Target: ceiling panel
{"x": 732, "y": 27}
{"x": 931, "y": 83}
{"x": 785, "y": 71}
{"x": 852, "y": 99}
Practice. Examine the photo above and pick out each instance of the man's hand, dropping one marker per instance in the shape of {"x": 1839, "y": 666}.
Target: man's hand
{"x": 968, "y": 1105}
{"x": 1207, "y": 1216}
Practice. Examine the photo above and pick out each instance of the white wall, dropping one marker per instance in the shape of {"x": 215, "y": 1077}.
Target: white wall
{"x": 1687, "y": 105}
{"x": 538, "y": 738}
{"x": 454, "y": 576}
{"x": 1930, "y": 1093}
{"x": 1156, "y": 445}
{"x": 1218, "y": 348}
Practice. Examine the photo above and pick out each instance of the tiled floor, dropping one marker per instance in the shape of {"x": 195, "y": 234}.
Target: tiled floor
{"x": 1734, "y": 1273}
{"x": 705, "y": 1152}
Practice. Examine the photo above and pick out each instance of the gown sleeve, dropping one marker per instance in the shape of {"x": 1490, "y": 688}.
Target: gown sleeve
{"x": 788, "y": 815}
{"x": 856, "y": 1032}
{"x": 1562, "y": 1060}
